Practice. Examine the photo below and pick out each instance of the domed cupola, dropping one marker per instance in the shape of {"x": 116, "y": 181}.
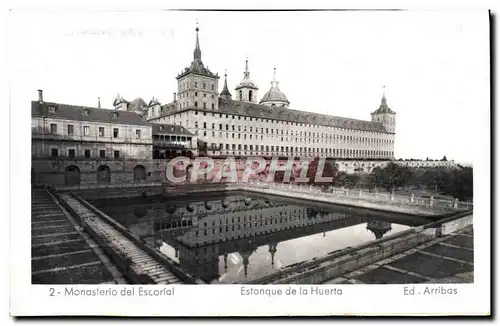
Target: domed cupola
{"x": 246, "y": 90}
{"x": 274, "y": 96}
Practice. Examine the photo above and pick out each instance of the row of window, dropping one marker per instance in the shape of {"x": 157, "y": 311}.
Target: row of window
{"x": 294, "y": 216}
{"x": 186, "y": 104}
{"x": 87, "y": 153}
{"x": 186, "y": 94}
{"x": 178, "y": 116}
{"x": 185, "y": 85}
{"x": 70, "y": 131}
{"x": 251, "y": 223}
{"x": 286, "y": 139}
{"x": 171, "y": 138}
{"x": 292, "y": 149}
{"x": 298, "y": 133}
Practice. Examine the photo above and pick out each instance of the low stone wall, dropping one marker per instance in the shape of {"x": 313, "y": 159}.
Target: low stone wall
{"x": 319, "y": 270}
{"x": 319, "y": 196}
{"x": 455, "y": 225}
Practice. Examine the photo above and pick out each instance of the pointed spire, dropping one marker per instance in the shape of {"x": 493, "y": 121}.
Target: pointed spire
{"x": 225, "y": 91}
{"x": 384, "y": 100}
{"x": 274, "y": 82}
{"x": 99, "y": 102}
{"x": 197, "y": 50}
{"x": 247, "y": 73}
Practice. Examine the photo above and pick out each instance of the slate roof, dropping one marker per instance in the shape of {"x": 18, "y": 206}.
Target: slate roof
{"x": 383, "y": 108}
{"x": 280, "y": 113}
{"x": 169, "y": 129}
{"x": 274, "y": 94}
{"x": 85, "y": 113}
{"x": 197, "y": 68}
{"x": 138, "y": 104}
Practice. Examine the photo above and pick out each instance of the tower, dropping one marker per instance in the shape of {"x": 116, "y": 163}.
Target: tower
{"x": 246, "y": 259}
{"x": 197, "y": 85}
{"x": 274, "y": 96}
{"x": 385, "y": 115}
{"x": 379, "y": 228}
{"x": 154, "y": 107}
{"x": 120, "y": 103}
{"x": 272, "y": 250}
{"x": 246, "y": 90}
{"x": 225, "y": 94}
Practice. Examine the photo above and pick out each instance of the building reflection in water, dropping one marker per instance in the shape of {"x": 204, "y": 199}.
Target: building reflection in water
{"x": 233, "y": 238}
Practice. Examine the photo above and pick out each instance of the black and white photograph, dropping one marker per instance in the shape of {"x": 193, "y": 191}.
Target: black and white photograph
{"x": 305, "y": 156}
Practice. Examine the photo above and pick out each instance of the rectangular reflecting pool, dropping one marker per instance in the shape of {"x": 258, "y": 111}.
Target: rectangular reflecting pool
{"x": 228, "y": 238}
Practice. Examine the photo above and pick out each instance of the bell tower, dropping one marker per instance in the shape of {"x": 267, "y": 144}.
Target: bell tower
{"x": 246, "y": 90}
{"x": 385, "y": 115}
{"x": 197, "y": 85}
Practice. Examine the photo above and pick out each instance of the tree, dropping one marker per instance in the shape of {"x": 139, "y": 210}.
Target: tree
{"x": 444, "y": 159}
{"x": 392, "y": 176}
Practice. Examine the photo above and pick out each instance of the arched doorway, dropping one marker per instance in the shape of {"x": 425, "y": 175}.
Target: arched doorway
{"x": 72, "y": 175}
{"x": 140, "y": 173}
{"x": 103, "y": 174}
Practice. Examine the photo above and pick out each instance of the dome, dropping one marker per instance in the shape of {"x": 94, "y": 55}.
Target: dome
{"x": 274, "y": 96}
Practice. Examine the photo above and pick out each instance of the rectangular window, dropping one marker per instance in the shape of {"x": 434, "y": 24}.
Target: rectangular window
{"x": 54, "y": 152}
{"x": 87, "y": 153}
{"x": 71, "y": 152}
{"x": 101, "y": 131}
{"x": 102, "y": 153}
{"x": 53, "y": 128}
{"x": 71, "y": 130}
{"x": 86, "y": 130}
{"x": 116, "y": 154}
{"x": 115, "y": 132}
{"x": 137, "y": 133}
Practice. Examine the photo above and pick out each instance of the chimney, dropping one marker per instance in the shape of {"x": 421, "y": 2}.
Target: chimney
{"x": 40, "y": 96}
{"x": 175, "y": 97}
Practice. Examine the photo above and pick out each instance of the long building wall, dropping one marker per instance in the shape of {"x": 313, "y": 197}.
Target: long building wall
{"x": 229, "y": 134}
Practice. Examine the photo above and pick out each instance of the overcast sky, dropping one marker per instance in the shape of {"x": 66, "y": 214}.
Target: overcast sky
{"x": 435, "y": 65}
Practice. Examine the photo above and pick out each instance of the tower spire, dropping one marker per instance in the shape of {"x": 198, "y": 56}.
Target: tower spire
{"x": 274, "y": 82}
{"x": 225, "y": 91}
{"x": 384, "y": 99}
{"x": 99, "y": 102}
{"x": 197, "y": 50}
{"x": 247, "y": 73}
